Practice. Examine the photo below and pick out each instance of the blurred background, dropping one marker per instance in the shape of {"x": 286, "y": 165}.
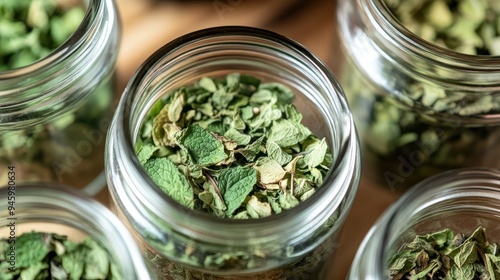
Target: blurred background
{"x": 149, "y": 24}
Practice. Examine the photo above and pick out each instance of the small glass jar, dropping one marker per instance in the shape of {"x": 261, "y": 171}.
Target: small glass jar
{"x": 460, "y": 200}
{"x": 55, "y": 112}
{"x": 65, "y": 211}
{"x": 420, "y": 109}
{"x": 294, "y": 244}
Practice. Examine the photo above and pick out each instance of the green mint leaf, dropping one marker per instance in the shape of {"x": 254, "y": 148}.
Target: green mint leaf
{"x": 251, "y": 151}
{"x": 268, "y": 171}
{"x": 287, "y": 200}
{"x": 163, "y": 130}
{"x": 96, "y": 261}
{"x": 213, "y": 199}
{"x": 315, "y": 154}
{"x": 286, "y": 133}
{"x": 462, "y": 273}
{"x": 176, "y": 107}
{"x": 35, "y": 271}
{"x": 233, "y": 81}
{"x": 240, "y": 138}
{"x": 428, "y": 269}
{"x": 146, "y": 152}
{"x": 202, "y": 146}
{"x": 292, "y": 113}
{"x": 208, "y": 84}
{"x": 493, "y": 265}
{"x": 275, "y": 152}
{"x": 466, "y": 255}
{"x": 261, "y": 96}
{"x": 284, "y": 93}
{"x": 166, "y": 175}
{"x": 73, "y": 263}
{"x": 265, "y": 115}
{"x": 235, "y": 184}
{"x": 257, "y": 209}
{"x": 31, "y": 248}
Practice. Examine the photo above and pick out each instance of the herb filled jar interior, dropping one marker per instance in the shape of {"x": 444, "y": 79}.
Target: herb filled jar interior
{"x": 445, "y": 227}
{"x": 422, "y": 81}
{"x": 185, "y": 74}
{"x": 53, "y": 232}
{"x": 56, "y": 89}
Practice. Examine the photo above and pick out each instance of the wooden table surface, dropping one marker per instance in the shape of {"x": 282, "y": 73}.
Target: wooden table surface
{"x": 149, "y": 24}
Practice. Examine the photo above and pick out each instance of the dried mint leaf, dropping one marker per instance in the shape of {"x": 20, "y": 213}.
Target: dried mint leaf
{"x": 224, "y": 140}
{"x": 446, "y": 255}
{"x": 29, "y": 31}
{"x": 41, "y": 255}
{"x": 202, "y": 146}
{"x": 166, "y": 175}
{"x": 235, "y": 184}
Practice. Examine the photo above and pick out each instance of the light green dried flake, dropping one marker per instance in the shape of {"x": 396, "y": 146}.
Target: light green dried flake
{"x": 235, "y": 184}
{"x": 226, "y": 127}
{"x": 202, "y": 146}
{"x": 268, "y": 170}
{"x": 275, "y": 152}
{"x": 286, "y": 133}
{"x": 59, "y": 258}
{"x": 168, "y": 178}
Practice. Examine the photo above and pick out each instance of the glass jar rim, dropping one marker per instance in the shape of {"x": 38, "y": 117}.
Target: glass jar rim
{"x": 204, "y": 220}
{"x": 33, "y": 93}
{"x": 63, "y": 50}
{"x": 389, "y": 25}
{"x": 475, "y": 181}
{"x": 73, "y": 202}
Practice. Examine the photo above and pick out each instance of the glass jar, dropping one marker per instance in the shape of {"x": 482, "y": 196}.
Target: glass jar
{"x": 62, "y": 210}
{"x": 460, "y": 200}
{"x": 54, "y": 113}
{"x": 176, "y": 240}
{"x": 420, "y": 109}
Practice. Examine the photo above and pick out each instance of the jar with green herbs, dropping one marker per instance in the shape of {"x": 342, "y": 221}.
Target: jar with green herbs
{"x": 56, "y": 232}
{"x": 423, "y": 81}
{"x": 445, "y": 227}
{"x": 233, "y": 155}
{"x": 57, "y": 60}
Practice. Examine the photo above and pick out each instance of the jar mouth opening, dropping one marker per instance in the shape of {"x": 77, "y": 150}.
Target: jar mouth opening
{"x": 63, "y": 50}
{"x": 38, "y": 205}
{"x": 472, "y": 184}
{"x": 51, "y": 86}
{"x": 196, "y": 217}
{"x": 392, "y": 27}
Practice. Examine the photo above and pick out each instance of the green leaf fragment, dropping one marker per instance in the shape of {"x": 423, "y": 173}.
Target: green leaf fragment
{"x": 208, "y": 84}
{"x": 235, "y": 184}
{"x": 275, "y": 152}
{"x": 268, "y": 171}
{"x": 315, "y": 154}
{"x": 166, "y": 175}
{"x": 447, "y": 256}
{"x": 202, "y": 146}
{"x": 146, "y": 152}
{"x": 62, "y": 259}
{"x": 35, "y": 271}
{"x": 257, "y": 209}
{"x": 230, "y": 142}
{"x": 286, "y": 133}
{"x": 240, "y": 138}
{"x": 96, "y": 261}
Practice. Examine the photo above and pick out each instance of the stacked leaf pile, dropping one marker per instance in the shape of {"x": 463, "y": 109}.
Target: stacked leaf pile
{"x": 446, "y": 255}
{"x": 31, "y": 29}
{"x": 234, "y": 147}
{"x": 39, "y": 255}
